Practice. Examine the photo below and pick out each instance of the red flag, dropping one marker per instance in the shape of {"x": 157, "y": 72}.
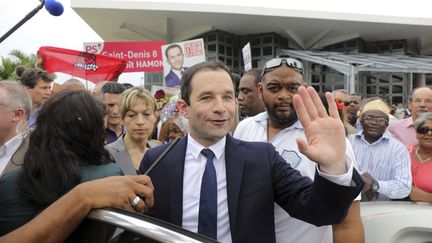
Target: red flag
{"x": 89, "y": 66}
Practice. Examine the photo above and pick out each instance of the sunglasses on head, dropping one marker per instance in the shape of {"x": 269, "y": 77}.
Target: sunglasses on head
{"x": 277, "y": 62}
{"x": 423, "y": 130}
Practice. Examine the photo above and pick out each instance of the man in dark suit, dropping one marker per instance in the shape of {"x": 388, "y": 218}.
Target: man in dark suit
{"x": 175, "y": 58}
{"x": 248, "y": 177}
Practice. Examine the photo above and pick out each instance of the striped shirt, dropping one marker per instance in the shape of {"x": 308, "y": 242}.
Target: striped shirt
{"x": 387, "y": 160}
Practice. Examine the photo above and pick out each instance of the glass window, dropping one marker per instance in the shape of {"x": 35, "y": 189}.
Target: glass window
{"x": 397, "y": 78}
{"x": 256, "y": 52}
{"x": 340, "y": 45}
{"x": 254, "y": 63}
{"x": 211, "y": 37}
{"x": 328, "y": 77}
{"x": 327, "y": 88}
{"x": 384, "y": 90}
{"x": 221, "y": 38}
{"x": 316, "y": 78}
{"x": 229, "y": 51}
{"x": 398, "y": 46}
{"x": 255, "y": 41}
{"x": 339, "y": 86}
{"x": 267, "y": 39}
{"x": 384, "y": 79}
{"x": 352, "y": 43}
{"x": 211, "y": 48}
{"x": 338, "y": 77}
{"x": 371, "y": 79}
{"x": 268, "y": 51}
{"x": 371, "y": 90}
{"x": 384, "y": 47}
{"x": 228, "y": 62}
{"x": 228, "y": 40}
{"x": 397, "y": 89}
{"x": 221, "y": 49}
{"x": 397, "y": 99}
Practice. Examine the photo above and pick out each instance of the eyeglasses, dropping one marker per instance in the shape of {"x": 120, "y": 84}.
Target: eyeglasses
{"x": 377, "y": 120}
{"x": 423, "y": 130}
{"x": 277, "y": 62}
{"x": 419, "y": 101}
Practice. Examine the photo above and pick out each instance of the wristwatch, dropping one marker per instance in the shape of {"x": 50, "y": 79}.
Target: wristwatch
{"x": 375, "y": 186}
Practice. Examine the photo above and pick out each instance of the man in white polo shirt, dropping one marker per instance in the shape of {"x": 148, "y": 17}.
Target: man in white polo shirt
{"x": 279, "y": 125}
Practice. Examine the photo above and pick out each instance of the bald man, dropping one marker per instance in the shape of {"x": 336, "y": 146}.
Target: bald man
{"x": 73, "y": 84}
{"x": 420, "y": 102}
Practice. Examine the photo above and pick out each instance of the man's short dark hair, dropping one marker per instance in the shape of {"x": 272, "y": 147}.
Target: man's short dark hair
{"x": 112, "y": 88}
{"x": 186, "y": 86}
{"x": 236, "y": 78}
{"x": 172, "y": 47}
{"x": 127, "y": 85}
{"x": 30, "y": 76}
{"x": 256, "y": 73}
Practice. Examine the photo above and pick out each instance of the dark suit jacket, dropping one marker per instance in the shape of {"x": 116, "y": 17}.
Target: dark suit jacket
{"x": 172, "y": 80}
{"x": 257, "y": 176}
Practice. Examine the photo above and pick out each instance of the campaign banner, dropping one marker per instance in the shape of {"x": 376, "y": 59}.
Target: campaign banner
{"x": 89, "y": 66}
{"x": 141, "y": 56}
{"x": 178, "y": 57}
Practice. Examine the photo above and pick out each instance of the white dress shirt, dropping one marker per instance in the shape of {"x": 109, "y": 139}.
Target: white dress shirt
{"x": 178, "y": 73}
{"x": 193, "y": 172}
{"x": 8, "y": 149}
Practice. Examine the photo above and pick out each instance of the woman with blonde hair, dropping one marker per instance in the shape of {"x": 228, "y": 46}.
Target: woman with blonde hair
{"x": 137, "y": 109}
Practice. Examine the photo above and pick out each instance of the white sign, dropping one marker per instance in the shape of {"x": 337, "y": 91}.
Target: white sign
{"x": 247, "y": 57}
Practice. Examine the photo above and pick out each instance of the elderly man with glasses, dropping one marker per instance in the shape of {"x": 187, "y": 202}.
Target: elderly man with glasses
{"x": 420, "y": 102}
{"x": 280, "y": 126}
{"x": 383, "y": 160}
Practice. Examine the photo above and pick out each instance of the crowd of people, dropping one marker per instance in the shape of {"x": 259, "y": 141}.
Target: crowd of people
{"x": 273, "y": 162}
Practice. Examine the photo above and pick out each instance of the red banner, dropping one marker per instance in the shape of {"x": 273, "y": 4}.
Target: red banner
{"x": 92, "y": 67}
{"x": 141, "y": 56}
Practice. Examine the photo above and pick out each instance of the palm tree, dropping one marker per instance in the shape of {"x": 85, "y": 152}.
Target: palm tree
{"x": 16, "y": 58}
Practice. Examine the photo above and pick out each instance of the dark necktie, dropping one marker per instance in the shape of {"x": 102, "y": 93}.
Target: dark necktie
{"x": 207, "y": 217}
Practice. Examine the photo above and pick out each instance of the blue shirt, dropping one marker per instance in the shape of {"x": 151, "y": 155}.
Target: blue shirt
{"x": 32, "y": 119}
{"x": 111, "y": 136}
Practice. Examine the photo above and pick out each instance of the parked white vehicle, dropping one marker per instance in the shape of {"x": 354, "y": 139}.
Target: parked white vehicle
{"x": 397, "y": 222}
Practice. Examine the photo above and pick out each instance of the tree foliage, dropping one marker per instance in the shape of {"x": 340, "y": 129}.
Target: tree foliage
{"x": 12, "y": 61}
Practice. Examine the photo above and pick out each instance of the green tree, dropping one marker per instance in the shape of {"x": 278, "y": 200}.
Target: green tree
{"x": 10, "y": 63}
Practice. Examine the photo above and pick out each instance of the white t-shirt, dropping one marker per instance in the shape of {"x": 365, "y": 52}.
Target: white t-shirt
{"x": 287, "y": 228}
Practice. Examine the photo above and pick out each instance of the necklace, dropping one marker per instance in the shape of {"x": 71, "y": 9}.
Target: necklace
{"x": 418, "y": 156}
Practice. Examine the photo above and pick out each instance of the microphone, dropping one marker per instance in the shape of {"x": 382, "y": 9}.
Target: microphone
{"x": 163, "y": 154}
{"x": 53, "y": 7}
